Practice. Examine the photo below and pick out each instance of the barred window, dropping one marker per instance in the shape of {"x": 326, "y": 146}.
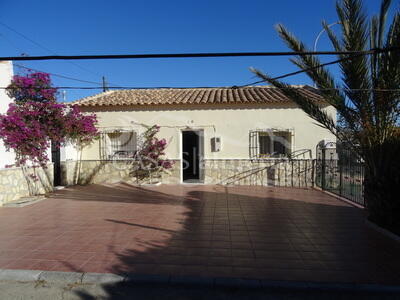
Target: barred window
{"x": 270, "y": 143}
{"x": 119, "y": 145}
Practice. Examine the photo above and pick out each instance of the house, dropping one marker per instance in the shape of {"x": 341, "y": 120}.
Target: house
{"x": 6, "y": 73}
{"x": 16, "y": 182}
{"x": 249, "y": 135}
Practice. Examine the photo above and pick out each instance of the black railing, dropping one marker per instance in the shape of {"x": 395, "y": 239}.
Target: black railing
{"x": 340, "y": 171}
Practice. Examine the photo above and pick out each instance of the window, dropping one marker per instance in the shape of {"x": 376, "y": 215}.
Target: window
{"x": 270, "y": 143}
{"x": 119, "y": 145}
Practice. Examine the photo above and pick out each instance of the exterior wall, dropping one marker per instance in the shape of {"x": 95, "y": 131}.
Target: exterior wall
{"x": 272, "y": 172}
{"x": 231, "y": 123}
{"x": 296, "y": 173}
{"x": 6, "y": 73}
{"x": 96, "y": 171}
{"x": 16, "y": 183}
{"x": 231, "y": 165}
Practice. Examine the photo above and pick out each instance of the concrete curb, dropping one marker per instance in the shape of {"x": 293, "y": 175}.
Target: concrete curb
{"x": 220, "y": 282}
{"x": 19, "y": 275}
{"x": 61, "y": 277}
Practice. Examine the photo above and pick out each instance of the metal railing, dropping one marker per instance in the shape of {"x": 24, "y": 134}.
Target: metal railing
{"x": 340, "y": 171}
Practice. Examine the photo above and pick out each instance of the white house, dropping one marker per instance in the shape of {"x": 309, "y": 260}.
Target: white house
{"x": 15, "y": 182}
{"x": 248, "y": 135}
{"x": 6, "y": 74}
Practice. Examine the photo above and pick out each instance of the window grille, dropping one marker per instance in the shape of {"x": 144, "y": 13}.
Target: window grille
{"x": 118, "y": 145}
{"x": 270, "y": 143}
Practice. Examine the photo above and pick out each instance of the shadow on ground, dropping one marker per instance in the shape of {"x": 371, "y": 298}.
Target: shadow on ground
{"x": 250, "y": 233}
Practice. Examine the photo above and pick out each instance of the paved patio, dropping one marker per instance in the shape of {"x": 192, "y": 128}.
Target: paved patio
{"x": 243, "y": 231}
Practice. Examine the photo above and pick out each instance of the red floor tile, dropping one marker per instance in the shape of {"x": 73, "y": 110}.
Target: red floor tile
{"x": 239, "y": 231}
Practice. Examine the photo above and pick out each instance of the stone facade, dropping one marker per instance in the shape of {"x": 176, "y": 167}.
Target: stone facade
{"x": 18, "y": 182}
{"x": 96, "y": 171}
{"x": 274, "y": 172}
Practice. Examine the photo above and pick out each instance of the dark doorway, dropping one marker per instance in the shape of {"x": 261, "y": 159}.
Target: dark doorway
{"x": 56, "y": 160}
{"x": 191, "y": 156}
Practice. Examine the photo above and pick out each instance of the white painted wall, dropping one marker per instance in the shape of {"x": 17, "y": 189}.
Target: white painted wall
{"x": 231, "y": 123}
{"x": 68, "y": 152}
{"x": 6, "y": 73}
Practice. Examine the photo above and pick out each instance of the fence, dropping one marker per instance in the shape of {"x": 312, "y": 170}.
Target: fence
{"x": 340, "y": 171}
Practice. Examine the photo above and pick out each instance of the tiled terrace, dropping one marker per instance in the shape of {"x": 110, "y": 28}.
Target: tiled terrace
{"x": 243, "y": 231}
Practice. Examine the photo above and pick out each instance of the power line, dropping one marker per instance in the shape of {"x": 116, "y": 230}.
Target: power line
{"x": 57, "y": 75}
{"x": 27, "y": 38}
{"x": 213, "y": 87}
{"x": 194, "y": 55}
{"x": 304, "y": 70}
{"x": 12, "y": 43}
{"x": 359, "y": 53}
{"x": 41, "y": 46}
{"x": 46, "y": 49}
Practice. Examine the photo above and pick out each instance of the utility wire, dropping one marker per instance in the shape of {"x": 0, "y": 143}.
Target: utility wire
{"x": 12, "y": 44}
{"x": 304, "y": 70}
{"x": 27, "y": 38}
{"x": 194, "y": 55}
{"x": 46, "y": 49}
{"x": 57, "y": 75}
{"x": 260, "y": 81}
{"x": 360, "y": 53}
{"x": 41, "y": 46}
{"x": 215, "y": 87}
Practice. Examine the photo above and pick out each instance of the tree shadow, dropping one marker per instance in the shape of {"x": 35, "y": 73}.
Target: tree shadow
{"x": 121, "y": 192}
{"x": 141, "y": 226}
{"x": 252, "y": 233}
{"x": 38, "y": 180}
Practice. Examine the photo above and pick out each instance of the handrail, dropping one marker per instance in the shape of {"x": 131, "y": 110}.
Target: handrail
{"x": 300, "y": 152}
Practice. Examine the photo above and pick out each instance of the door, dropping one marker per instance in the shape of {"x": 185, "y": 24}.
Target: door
{"x": 191, "y": 156}
{"x": 56, "y": 160}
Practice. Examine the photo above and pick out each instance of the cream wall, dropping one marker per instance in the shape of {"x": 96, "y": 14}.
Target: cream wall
{"x": 231, "y": 123}
{"x": 6, "y": 73}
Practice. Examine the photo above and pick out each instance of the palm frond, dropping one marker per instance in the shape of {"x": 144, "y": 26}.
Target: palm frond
{"x": 367, "y": 111}
{"x": 382, "y": 21}
{"x": 355, "y": 70}
{"x": 321, "y": 76}
{"x": 308, "y": 106}
{"x": 333, "y": 38}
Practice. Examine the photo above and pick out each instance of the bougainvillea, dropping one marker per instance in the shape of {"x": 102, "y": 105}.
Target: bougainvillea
{"x": 34, "y": 87}
{"x": 151, "y": 151}
{"x": 80, "y": 128}
{"x": 32, "y": 124}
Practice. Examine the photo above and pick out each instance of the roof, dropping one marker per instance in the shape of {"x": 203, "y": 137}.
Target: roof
{"x": 187, "y": 96}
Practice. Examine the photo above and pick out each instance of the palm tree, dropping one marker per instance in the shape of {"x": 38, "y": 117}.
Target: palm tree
{"x": 366, "y": 98}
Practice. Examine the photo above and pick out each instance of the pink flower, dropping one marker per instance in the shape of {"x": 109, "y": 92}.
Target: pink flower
{"x": 36, "y": 119}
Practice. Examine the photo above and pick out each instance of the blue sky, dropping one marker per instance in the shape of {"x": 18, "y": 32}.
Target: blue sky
{"x": 162, "y": 26}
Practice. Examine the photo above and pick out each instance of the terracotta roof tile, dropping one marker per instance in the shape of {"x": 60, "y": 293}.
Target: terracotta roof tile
{"x": 185, "y": 96}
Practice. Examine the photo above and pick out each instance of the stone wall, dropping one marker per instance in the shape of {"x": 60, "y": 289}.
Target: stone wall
{"x": 108, "y": 171}
{"x": 274, "y": 172}
{"x": 18, "y": 182}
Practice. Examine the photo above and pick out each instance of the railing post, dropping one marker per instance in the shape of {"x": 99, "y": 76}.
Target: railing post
{"x": 323, "y": 167}
{"x": 340, "y": 176}
{"x": 292, "y": 173}
{"x": 313, "y": 167}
